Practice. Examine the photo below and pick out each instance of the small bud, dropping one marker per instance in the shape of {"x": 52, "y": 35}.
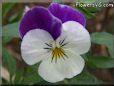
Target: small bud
{"x": 26, "y": 9}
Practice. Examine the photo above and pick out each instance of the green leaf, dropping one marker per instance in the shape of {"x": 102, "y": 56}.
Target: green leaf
{"x": 11, "y": 30}
{"x": 87, "y": 12}
{"x": 100, "y": 62}
{"x": 5, "y": 40}
{"x": 104, "y": 38}
{"x": 32, "y": 76}
{"x": 18, "y": 77}
{"x": 85, "y": 78}
{"x": 8, "y": 61}
{"x": 6, "y": 7}
{"x": 16, "y": 17}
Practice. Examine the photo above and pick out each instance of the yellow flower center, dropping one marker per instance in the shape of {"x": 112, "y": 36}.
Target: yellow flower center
{"x": 56, "y": 49}
{"x": 57, "y": 53}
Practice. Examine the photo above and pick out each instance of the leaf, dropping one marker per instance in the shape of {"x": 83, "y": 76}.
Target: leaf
{"x": 16, "y": 17}
{"x": 104, "y": 38}
{"x": 8, "y": 61}
{"x": 18, "y": 77}
{"x": 85, "y": 78}
{"x": 32, "y": 76}
{"x": 100, "y": 62}
{"x": 85, "y": 11}
{"x": 6, "y": 40}
{"x": 6, "y": 7}
{"x": 11, "y": 30}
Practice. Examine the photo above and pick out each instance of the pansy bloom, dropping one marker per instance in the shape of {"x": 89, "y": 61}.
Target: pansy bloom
{"x": 56, "y": 37}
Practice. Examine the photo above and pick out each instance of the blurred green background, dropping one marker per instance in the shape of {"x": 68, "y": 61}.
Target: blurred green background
{"x": 99, "y": 60}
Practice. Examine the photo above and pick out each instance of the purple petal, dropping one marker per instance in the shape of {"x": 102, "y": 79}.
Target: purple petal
{"x": 40, "y": 18}
{"x": 66, "y": 13}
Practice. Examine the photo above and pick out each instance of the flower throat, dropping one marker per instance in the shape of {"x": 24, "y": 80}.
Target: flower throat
{"x": 57, "y": 51}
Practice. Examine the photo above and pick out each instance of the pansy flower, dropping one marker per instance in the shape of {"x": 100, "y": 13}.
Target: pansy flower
{"x": 56, "y": 37}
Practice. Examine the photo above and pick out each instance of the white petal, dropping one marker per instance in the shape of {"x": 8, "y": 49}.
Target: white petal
{"x": 71, "y": 66}
{"x": 57, "y": 71}
{"x": 77, "y": 37}
{"x": 47, "y": 70}
{"x": 32, "y": 46}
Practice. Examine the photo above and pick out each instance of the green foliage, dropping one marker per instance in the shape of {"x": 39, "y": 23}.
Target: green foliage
{"x": 85, "y": 78}
{"x": 8, "y": 61}
{"x": 7, "y": 11}
{"x": 15, "y": 17}
{"x": 11, "y": 30}
{"x": 100, "y": 62}
{"x": 104, "y": 38}
{"x": 32, "y": 76}
{"x": 17, "y": 78}
{"x": 88, "y": 12}
{"x": 6, "y": 7}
